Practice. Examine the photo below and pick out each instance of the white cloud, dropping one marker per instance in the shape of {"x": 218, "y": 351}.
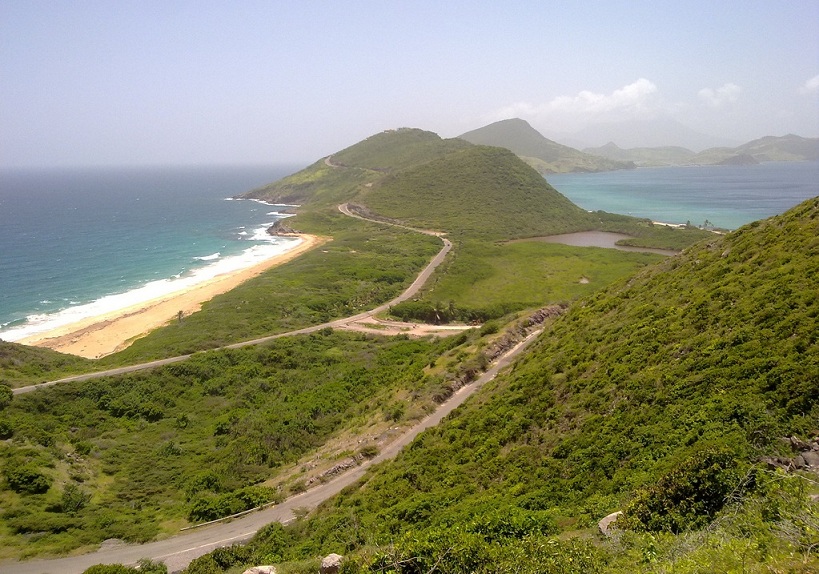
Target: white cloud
{"x": 636, "y": 100}
{"x": 811, "y": 86}
{"x": 725, "y": 94}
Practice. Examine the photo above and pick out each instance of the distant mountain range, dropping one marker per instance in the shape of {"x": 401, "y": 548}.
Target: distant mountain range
{"x": 770, "y": 148}
{"x": 548, "y": 156}
{"x": 655, "y": 132}
{"x": 543, "y": 154}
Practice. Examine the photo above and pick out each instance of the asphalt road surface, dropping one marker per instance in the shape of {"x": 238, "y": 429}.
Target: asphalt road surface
{"x": 178, "y": 551}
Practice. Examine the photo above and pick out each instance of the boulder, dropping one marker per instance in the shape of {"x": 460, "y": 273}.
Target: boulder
{"x": 605, "y": 524}
{"x": 261, "y": 570}
{"x": 331, "y": 564}
{"x": 811, "y": 458}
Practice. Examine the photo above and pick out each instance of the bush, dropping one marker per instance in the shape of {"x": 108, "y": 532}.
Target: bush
{"x": 686, "y": 498}
{"x": 6, "y": 395}
{"x": 27, "y": 479}
{"x": 73, "y": 498}
{"x": 6, "y": 430}
{"x": 109, "y": 569}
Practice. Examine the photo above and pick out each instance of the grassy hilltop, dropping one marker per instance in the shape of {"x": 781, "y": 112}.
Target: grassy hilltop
{"x": 659, "y": 364}
{"x": 658, "y": 396}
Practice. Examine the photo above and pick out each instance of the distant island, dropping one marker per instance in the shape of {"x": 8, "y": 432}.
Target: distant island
{"x": 549, "y": 157}
{"x": 770, "y": 148}
{"x": 543, "y": 154}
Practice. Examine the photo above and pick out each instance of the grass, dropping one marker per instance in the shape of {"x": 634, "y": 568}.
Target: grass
{"x": 530, "y": 273}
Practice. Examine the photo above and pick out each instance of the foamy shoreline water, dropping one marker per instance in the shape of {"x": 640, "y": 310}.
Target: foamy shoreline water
{"x": 37, "y": 324}
{"x": 266, "y": 247}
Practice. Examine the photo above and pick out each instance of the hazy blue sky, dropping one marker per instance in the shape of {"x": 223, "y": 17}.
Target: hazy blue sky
{"x": 177, "y": 82}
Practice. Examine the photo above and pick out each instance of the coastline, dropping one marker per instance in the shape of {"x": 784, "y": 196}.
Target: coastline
{"x": 104, "y": 334}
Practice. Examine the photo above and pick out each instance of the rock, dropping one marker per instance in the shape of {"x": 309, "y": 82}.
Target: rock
{"x": 798, "y": 444}
{"x": 605, "y": 524}
{"x": 261, "y": 570}
{"x": 799, "y": 462}
{"x": 280, "y": 228}
{"x": 331, "y": 564}
{"x": 811, "y": 458}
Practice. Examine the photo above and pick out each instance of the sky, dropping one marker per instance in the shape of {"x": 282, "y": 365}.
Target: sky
{"x": 95, "y": 83}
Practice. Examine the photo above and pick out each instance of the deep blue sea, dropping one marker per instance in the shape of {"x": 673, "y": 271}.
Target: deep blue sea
{"x": 79, "y": 242}
{"x": 725, "y": 196}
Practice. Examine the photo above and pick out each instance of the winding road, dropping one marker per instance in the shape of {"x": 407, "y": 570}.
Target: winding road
{"x": 178, "y": 551}
{"x": 344, "y": 323}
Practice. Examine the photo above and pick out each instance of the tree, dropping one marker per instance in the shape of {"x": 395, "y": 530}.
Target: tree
{"x": 6, "y": 394}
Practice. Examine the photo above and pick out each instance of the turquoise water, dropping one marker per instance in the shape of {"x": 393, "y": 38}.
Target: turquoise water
{"x": 726, "y": 196}
{"x": 78, "y": 242}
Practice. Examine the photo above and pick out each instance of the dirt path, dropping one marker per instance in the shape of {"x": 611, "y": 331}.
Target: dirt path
{"x": 365, "y": 322}
{"x": 177, "y": 552}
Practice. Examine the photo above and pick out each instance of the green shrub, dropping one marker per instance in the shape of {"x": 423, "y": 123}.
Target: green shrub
{"x": 73, "y": 498}
{"x": 27, "y": 479}
{"x": 688, "y": 497}
{"x": 6, "y": 395}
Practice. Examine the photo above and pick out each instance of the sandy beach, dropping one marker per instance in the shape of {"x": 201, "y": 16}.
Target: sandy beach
{"x": 98, "y": 336}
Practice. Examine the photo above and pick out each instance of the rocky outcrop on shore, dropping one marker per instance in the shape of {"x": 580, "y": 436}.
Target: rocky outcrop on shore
{"x": 281, "y": 229}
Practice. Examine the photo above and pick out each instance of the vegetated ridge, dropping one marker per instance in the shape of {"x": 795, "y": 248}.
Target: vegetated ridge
{"x": 645, "y": 156}
{"x": 770, "y": 148}
{"x": 337, "y": 179}
{"x": 545, "y": 155}
{"x": 85, "y": 461}
{"x": 666, "y": 395}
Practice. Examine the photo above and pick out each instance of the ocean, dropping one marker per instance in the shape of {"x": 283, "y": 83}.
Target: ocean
{"x": 75, "y": 243}
{"x": 725, "y": 196}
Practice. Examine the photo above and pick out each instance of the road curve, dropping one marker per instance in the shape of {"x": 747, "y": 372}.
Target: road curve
{"x": 178, "y": 551}
{"x": 410, "y": 292}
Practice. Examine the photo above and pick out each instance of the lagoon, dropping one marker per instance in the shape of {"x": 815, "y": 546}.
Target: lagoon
{"x": 725, "y": 196}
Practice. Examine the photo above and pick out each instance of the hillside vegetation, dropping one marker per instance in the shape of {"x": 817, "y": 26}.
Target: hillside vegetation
{"x": 539, "y": 152}
{"x": 644, "y": 156}
{"x": 127, "y": 456}
{"x": 337, "y": 179}
{"x": 770, "y": 148}
{"x": 657, "y": 396}
{"x": 132, "y": 456}
{"x": 481, "y": 192}
{"x": 21, "y": 363}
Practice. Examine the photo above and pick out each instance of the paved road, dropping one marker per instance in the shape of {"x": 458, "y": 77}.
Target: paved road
{"x": 177, "y": 552}
{"x": 410, "y": 292}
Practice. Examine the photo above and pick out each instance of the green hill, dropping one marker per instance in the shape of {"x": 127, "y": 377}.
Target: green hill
{"x": 339, "y": 177}
{"x": 770, "y": 148}
{"x": 644, "y": 156}
{"x": 481, "y": 192}
{"x": 660, "y": 396}
{"x": 20, "y": 364}
{"x": 541, "y": 153}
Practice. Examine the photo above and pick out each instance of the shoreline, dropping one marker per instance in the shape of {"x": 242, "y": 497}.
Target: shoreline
{"x": 107, "y": 333}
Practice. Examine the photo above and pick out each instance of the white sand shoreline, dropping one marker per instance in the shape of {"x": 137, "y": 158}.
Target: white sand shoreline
{"x": 101, "y": 335}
